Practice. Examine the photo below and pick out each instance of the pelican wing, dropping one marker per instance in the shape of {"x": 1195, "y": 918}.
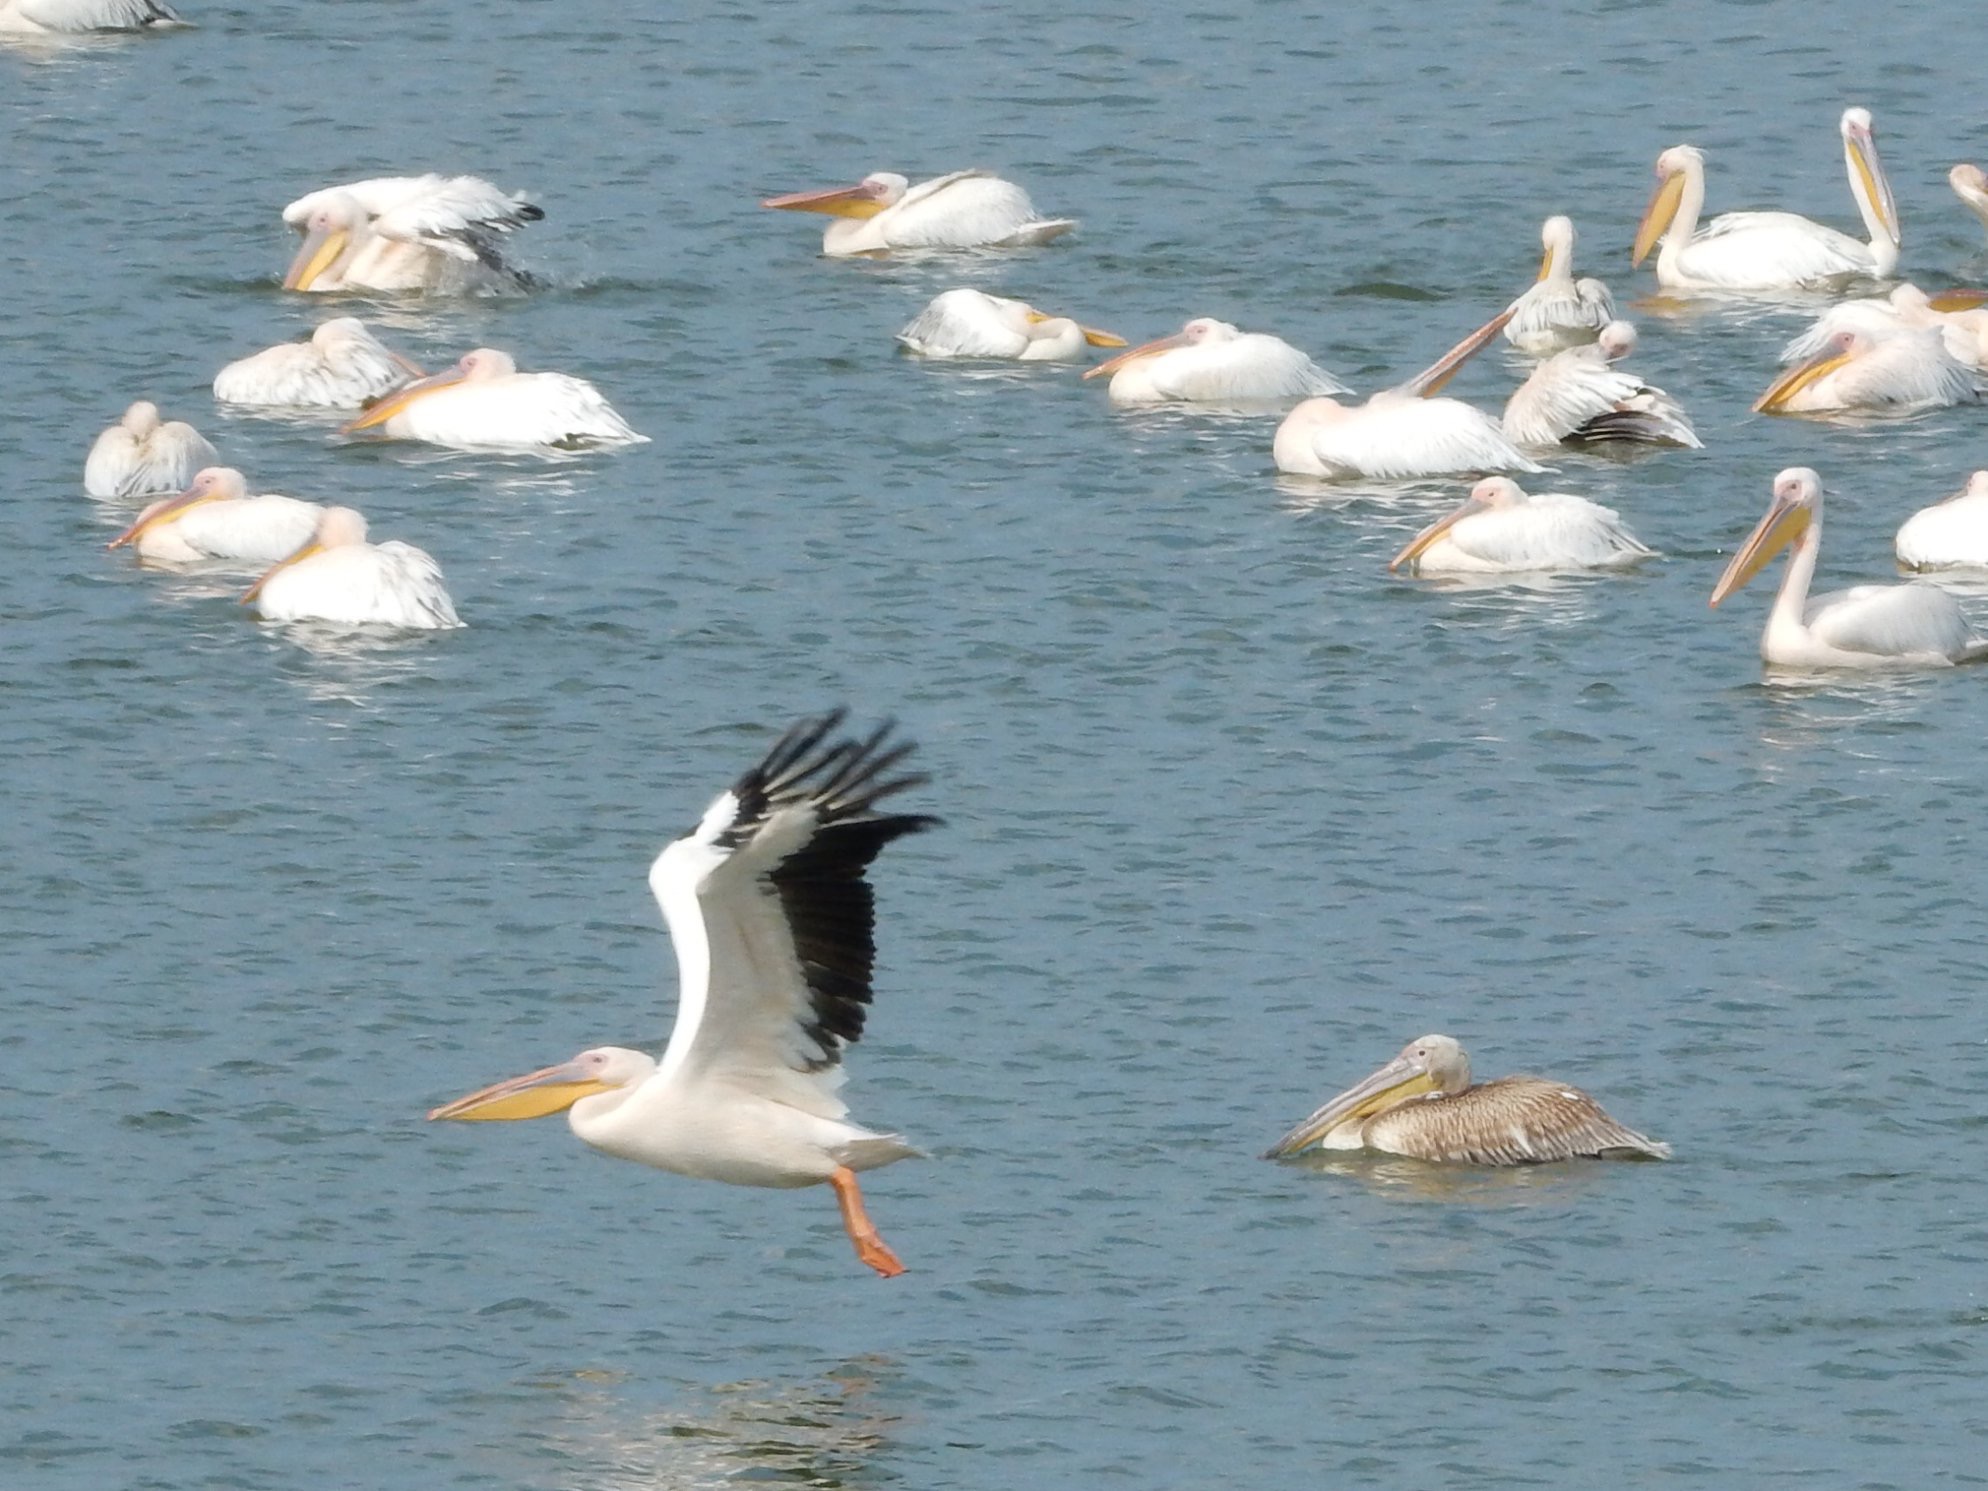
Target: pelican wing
{"x": 1733, "y": 247}
{"x": 772, "y": 918}
{"x": 1893, "y": 621}
{"x": 1253, "y": 366}
{"x": 1394, "y": 436}
{"x": 165, "y": 461}
{"x": 965, "y": 209}
{"x": 514, "y": 411}
{"x": 1547, "y": 531}
{"x": 462, "y": 216}
{"x": 304, "y": 375}
{"x": 1551, "y": 313}
{"x": 259, "y": 530}
{"x": 97, "y": 15}
{"x": 1512, "y": 1121}
{"x": 1562, "y": 394}
{"x": 963, "y": 323}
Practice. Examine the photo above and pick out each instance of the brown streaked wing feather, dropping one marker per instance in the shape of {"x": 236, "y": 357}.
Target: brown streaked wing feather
{"x": 1512, "y": 1121}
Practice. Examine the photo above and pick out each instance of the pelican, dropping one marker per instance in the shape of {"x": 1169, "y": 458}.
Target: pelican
{"x": 1971, "y": 186}
{"x": 1422, "y": 1105}
{"x": 215, "y": 518}
{"x": 340, "y": 366}
{"x": 1558, "y": 310}
{"x": 1401, "y": 432}
{"x": 140, "y": 457}
{"x": 1767, "y": 250}
{"x": 774, "y": 927}
{"x": 484, "y": 402}
{"x": 1957, "y": 314}
{"x": 1501, "y": 529}
{"x": 1580, "y": 397}
{"x": 1898, "y": 373}
{"x": 1950, "y": 534}
{"x": 339, "y": 577}
{"x": 406, "y": 233}
{"x": 968, "y": 323}
{"x": 884, "y": 211}
{"x": 1867, "y": 626}
{"x": 72, "y": 17}
{"x": 1211, "y": 362}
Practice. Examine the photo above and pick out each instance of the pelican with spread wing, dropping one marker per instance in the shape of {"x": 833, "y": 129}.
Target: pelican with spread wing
{"x": 884, "y": 212}
{"x": 774, "y": 927}
{"x": 442, "y": 233}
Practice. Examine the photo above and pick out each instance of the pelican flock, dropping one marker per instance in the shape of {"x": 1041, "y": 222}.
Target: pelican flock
{"x": 215, "y": 518}
{"x": 484, "y": 402}
{"x": 1423, "y": 1105}
{"x": 340, "y": 366}
{"x": 339, "y": 578}
{"x": 437, "y": 233}
{"x": 972, "y": 323}
{"x": 884, "y": 212}
{"x": 774, "y": 929}
{"x": 143, "y": 456}
{"x": 1211, "y": 362}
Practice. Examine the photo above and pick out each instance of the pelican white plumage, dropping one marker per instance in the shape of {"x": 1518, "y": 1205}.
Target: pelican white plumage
{"x": 1580, "y": 397}
{"x": 1503, "y": 529}
{"x": 971, "y": 323}
{"x": 885, "y": 212}
{"x": 340, "y": 366}
{"x": 1957, "y": 314}
{"x": 1867, "y": 626}
{"x": 1423, "y": 1105}
{"x": 1951, "y": 534}
{"x": 441, "y": 233}
{"x": 1211, "y": 362}
{"x": 485, "y": 403}
{"x": 74, "y": 17}
{"x": 774, "y": 927}
{"x": 1898, "y": 372}
{"x": 140, "y": 456}
{"x": 338, "y": 577}
{"x": 1767, "y": 250}
{"x": 1970, "y": 184}
{"x": 1401, "y": 432}
{"x": 1557, "y": 310}
{"x": 216, "y": 518}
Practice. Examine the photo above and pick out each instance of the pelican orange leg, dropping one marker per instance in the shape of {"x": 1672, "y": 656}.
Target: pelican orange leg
{"x": 862, "y": 1231}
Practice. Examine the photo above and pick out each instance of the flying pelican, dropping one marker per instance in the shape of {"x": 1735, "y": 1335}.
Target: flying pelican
{"x": 1503, "y": 529}
{"x": 1767, "y": 250}
{"x": 1971, "y": 186}
{"x": 1211, "y": 362}
{"x": 72, "y": 17}
{"x": 340, "y": 366}
{"x": 339, "y": 577}
{"x": 1867, "y": 626}
{"x": 1400, "y": 432}
{"x": 1422, "y": 1105}
{"x": 215, "y": 518}
{"x": 1558, "y": 310}
{"x": 968, "y": 323}
{"x": 484, "y": 402}
{"x": 140, "y": 457}
{"x": 406, "y": 233}
{"x": 883, "y": 211}
{"x": 1898, "y": 373}
{"x": 774, "y": 927}
{"x": 1950, "y": 534}
{"x": 1580, "y": 397}
{"x": 1958, "y": 314}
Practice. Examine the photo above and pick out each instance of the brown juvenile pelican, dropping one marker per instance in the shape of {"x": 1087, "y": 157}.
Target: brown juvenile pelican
{"x": 1422, "y": 1105}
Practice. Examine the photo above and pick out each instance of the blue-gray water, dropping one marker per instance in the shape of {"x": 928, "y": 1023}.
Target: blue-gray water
{"x": 1231, "y": 813}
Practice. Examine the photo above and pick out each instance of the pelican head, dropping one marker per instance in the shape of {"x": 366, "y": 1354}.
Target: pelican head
{"x": 214, "y": 484}
{"x": 330, "y": 236}
{"x": 1675, "y": 167}
{"x": 1199, "y": 331}
{"x": 1838, "y": 351}
{"x": 1617, "y": 340}
{"x": 141, "y": 419}
{"x": 1970, "y": 184}
{"x": 338, "y": 528}
{"x": 1556, "y": 236}
{"x": 1491, "y": 493}
{"x": 867, "y": 198}
{"x": 1431, "y": 1065}
{"x": 1039, "y": 324}
{"x": 1860, "y": 155}
{"x": 1791, "y": 514}
{"x": 553, "y": 1089}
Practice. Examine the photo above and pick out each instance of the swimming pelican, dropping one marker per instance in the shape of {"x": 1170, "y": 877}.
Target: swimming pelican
{"x": 1558, "y": 310}
{"x": 1971, "y": 186}
{"x": 339, "y": 577}
{"x": 484, "y": 402}
{"x": 774, "y": 927}
{"x": 215, "y": 518}
{"x": 140, "y": 457}
{"x": 406, "y": 233}
{"x": 1401, "y": 432}
{"x": 1898, "y": 373}
{"x": 968, "y": 323}
{"x": 340, "y": 366}
{"x": 883, "y": 211}
{"x": 1211, "y": 362}
{"x": 1867, "y": 626}
{"x": 1422, "y": 1105}
{"x": 72, "y": 17}
{"x": 1767, "y": 250}
{"x": 1502, "y": 529}
{"x": 1951, "y": 534}
{"x": 1580, "y": 397}
{"x": 1958, "y": 314}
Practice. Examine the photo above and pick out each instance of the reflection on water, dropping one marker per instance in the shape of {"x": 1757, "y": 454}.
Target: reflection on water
{"x": 1458, "y": 1185}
